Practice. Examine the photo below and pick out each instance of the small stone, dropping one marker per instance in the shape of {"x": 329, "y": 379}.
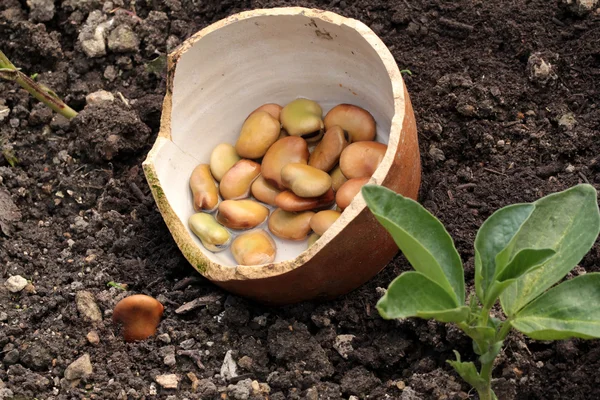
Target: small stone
{"x": 110, "y": 73}
{"x": 264, "y": 388}
{"x": 246, "y": 363}
{"x": 353, "y": 398}
{"x": 168, "y": 381}
{"x": 11, "y": 357}
{"x": 194, "y": 379}
{"x": 123, "y": 39}
{"x": 228, "y": 369}
{"x": 169, "y": 359}
{"x": 437, "y": 154}
{"x": 93, "y": 34}
{"x": 539, "y": 68}
{"x": 570, "y": 169}
{"x": 400, "y": 385}
{"x": 80, "y": 368}
{"x": 187, "y": 344}
{"x": 3, "y": 316}
{"x": 581, "y": 7}
{"x": 409, "y": 394}
{"x": 152, "y": 391}
{"x": 164, "y": 337}
{"x": 500, "y": 143}
{"x": 15, "y": 283}
{"x": 343, "y": 345}
{"x": 205, "y": 388}
{"x": 93, "y": 337}
{"x": 433, "y": 128}
{"x": 313, "y": 394}
{"x": 14, "y": 122}
{"x": 99, "y": 97}
{"x": 467, "y": 110}
{"x": 261, "y": 320}
{"x": 41, "y": 10}
{"x": 241, "y": 390}
{"x": 567, "y": 121}
{"x": 86, "y": 304}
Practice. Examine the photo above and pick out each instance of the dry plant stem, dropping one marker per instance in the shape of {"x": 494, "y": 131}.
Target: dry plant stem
{"x": 9, "y": 72}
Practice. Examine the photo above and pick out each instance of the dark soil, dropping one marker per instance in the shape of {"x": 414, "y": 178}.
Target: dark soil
{"x": 492, "y": 133}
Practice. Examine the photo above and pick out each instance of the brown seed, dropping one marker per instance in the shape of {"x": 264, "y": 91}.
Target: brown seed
{"x": 348, "y": 191}
{"x": 358, "y": 122}
{"x": 361, "y": 159}
{"x": 304, "y": 180}
{"x": 204, "y": 189}
{"x": 337, "y": 178}
{"x": 212, "y": 235}
{"x": 271, "y": 108}
{"x": 289, "y": 225}
{"x": 258, "y": 133}
{"x": 140, "y": 316}
{"x": 322, "y": 220}
{"x": 327, "y": 153}
{"x": 288, "y": 201}
{"x": 264, "y": 191}
{"x": 312, "y": 239}
{"x": 290, "y": 149}
{"x": 222, "y": 158}
{"x": 302, "y": 117}
{"x": 253, "y": 248}
{"x": 237, "y": 181}
{"x": 241, "y": 214}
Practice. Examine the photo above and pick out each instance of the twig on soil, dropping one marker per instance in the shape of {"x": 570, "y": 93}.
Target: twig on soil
{"x": 466, "y": 186}
{"x": 137, "y": 192}
{"x": 199, "y": 302}
{"x": 9, "y": 72}
{"x": 583, "y": 177}
{"x": 493, "y": 171}
{"x": 182, "y": 284}
{"x": 450, "y": 23}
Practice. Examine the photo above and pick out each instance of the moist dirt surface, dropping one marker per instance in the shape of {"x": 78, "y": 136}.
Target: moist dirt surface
{"x": 505, "y": 95}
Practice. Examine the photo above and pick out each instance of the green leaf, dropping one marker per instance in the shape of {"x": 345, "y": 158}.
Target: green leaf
{"x": 493, "y": 236}
{"x": 571, "y": 309}
{"x": 412, "y": 294}
{"x": 492, "y": 353}
{"x": 420, "y": 236}
{"x": 467, "y": 371}
{"x": 525, "y": 261}
{"x": 567, "y": 222}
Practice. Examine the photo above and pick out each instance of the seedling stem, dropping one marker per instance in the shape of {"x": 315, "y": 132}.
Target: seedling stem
{"x": 9, "y": 72}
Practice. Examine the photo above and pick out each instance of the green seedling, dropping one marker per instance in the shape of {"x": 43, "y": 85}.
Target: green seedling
{"x": 9, "y": 72}
{"x": 10, "y": 156}
{"x": 521, "y": 252}
{"x": 406, "y": 71}
{"x": 116, "y": 285}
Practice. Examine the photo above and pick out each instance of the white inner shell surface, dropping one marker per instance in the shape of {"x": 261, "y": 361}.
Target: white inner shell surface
{"x": 265, "y": 59}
